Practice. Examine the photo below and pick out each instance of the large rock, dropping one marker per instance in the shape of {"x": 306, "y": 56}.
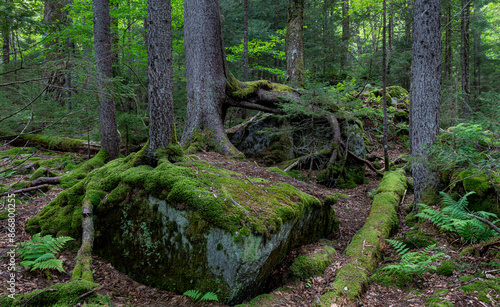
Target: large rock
{"x": 190, "y": 225}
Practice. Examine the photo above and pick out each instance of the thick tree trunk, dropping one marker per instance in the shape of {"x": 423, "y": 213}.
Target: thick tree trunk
{"x": 465, "y": 56}
{"x": 294, "y": 44}
{"x": 161, "y": 101}
{"x": 206, "y": 70}
{"x": 102, "y": 46}
{"x": 425, "y": 94}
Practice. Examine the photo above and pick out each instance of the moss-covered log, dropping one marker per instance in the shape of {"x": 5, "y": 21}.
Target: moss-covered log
{"x": 59, "y": 294}
{"x": 56, "y": 143}
{"x": 365, "y": 247}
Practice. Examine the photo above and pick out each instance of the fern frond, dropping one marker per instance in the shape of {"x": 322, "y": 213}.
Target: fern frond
{"x": 45, "y": 257}
{"x": 48, "y": 264}
{"x": 209, "y": 296}
{"x": 193, "y": 294}
{"x": 400, "y": 247}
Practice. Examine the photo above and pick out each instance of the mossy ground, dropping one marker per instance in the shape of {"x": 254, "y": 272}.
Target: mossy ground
{"x": 210, "y": 196}
{"x": 307, "y": 266}
{"x": 63, "y": 294}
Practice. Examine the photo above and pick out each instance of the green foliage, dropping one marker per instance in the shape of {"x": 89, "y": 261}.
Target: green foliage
{"x": 411, "y": 265}
{"x": 196, "y": 296}
{"x": 38, "y": 253}
{"x": 454, "y": 218}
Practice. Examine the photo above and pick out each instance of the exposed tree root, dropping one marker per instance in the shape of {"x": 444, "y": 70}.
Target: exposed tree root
{"x": 43, "y": 186}
{"x": 83, "y": 268}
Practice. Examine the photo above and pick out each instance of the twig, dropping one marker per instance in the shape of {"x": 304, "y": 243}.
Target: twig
{"x": 46, "y": 290}
{"x": 89, "y": 292}
{"x": 43, "y": 186}
{"x": 485, "y": 221}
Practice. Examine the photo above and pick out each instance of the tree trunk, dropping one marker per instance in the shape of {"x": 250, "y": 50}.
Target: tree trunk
{"x": 464, "y": 56}
{"x": 115, "y": 41}
{"x": 477, "y": 52}
{"x": 245, "y": 40}
{"x": 344, "y": 54}
{"x": 294, "y": 43}
{"x": 102, "y": 46}
{"x": 206, "y": 70}
{"x": 160, "y": 73}
{"x": 447, "y": 43}
{"x": 384, "y": 84}
{"x": 425, "y": 94}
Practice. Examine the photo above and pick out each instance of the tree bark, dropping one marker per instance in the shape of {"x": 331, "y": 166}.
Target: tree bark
{"x": 465, "y": 56}
{"x": 344, "y": 54}
{"x": 102, "y": 46}
{"x": 477, "y": 52}
{"x": 425, "y": 94}
{"x": 384, "y": 85}
{"x": 294, "y": 44}
{"x": 245, "y": 40}
{"x": 160, "y": 73}
{"x": 447, "y": 43}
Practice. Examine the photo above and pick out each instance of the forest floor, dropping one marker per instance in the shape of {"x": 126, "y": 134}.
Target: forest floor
{"x": 351, "y": 212}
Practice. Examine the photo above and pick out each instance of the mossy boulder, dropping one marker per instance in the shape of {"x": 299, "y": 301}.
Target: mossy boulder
{"x": 485, "y": 197}
{"x": 189, "y": 225}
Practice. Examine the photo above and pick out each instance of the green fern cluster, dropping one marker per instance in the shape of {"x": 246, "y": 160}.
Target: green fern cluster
{"x": 454, "y": 218}
{"x": 38, "y": 253}
{"x": 414, "y": 263}
{"x": 196, "y": 296}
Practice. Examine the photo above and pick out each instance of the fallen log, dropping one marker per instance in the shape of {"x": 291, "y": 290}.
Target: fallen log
{"x": 47, "y": 180}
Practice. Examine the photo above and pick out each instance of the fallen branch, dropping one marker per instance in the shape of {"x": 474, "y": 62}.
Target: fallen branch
{"x": 43, "y": 186}
{"x": 47, "y": 180}
{"x": 46, "y": 290}
{"x": 89, "y": 292}
{"x": 83, "y": 267}
{"x": 485, "y": 221}
{"x": 370, "y": 166}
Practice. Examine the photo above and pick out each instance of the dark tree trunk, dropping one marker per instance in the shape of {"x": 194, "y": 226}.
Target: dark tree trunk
{"x": 465, "y": 56}
{"x": 115, "y": 41}
{"x": 206, "y": 70}
{"x": 447, "y": 43}
{"x": 160, "y": 73}
{"x": 425, "y": 94}
{"x": 344, "y": 53}
{"x": 53, "y": 16}
{"x": 70, "y": 50}
{"x": 477, "y": 52}
{"x": 294, "y": 43}
{"x": 384, "y": 84}
{"x": 102, "y": 46}
{"x": 245, "y": 40}
{"x": 408, "y": 22}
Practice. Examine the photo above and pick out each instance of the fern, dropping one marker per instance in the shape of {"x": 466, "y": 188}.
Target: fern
{"x": 38, "y": 253}
{"x": 454, "y": 218}
{"x": 195, "y": 295}
{"x": 415, "y": 263}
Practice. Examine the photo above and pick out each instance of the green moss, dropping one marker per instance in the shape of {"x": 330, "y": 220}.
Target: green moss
{"x": 277, "y": 170}
{"x": 397, "y": 91}
{"x": 53, "y": 142}
{"x": 331, "y": 200}
{"x": 42, "y": 172}
{"x": 4, "y": 214}
{"x": 446, "y": 268}
{"x": 364, "y": 249}
{"x": 246, "y": 89}
{"x": 19, "y": 185}
{"x": 311, "y": 265}
{"x": 484, "y": 289}
{"x": 65, "y": 293}
{"x": 416, "y": 239}
{"x": 83, "y": 169}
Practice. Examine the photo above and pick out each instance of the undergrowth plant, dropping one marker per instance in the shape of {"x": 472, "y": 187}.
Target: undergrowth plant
{"x": 411, "y": 265}
{"x": 39, "y": 252}
{"x": 196, "y": 296}
{"x": 455, "y": 219}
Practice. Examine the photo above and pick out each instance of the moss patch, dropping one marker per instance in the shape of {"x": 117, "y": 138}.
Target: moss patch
{"x": 65, "y": 294}
{"x": 484, "y": 288}
{"x": 311, "y": 265}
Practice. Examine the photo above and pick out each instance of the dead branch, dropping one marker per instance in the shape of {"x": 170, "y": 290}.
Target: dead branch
{"x": 89, "y": 292}
{"x": 485, "y": 221}
{"x": 43, "y": 186}
{"x": 47, "y": 180}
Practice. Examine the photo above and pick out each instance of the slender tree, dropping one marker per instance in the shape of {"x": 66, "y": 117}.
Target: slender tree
{"x": 425, "y": 93}
{"x": 447, "y": 42}
{"x": 465, "y": 56}
{"x": 344, "y": 53}
{"x": 294, "y": 43}
{"x": 102, "y": 47}
{"x": 384, "y": 85}
{"x": 245, "y": 40}
{"x": 160, "y": 73}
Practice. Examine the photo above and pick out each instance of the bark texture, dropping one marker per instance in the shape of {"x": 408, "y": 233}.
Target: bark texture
{"x": 161, "y": 101}
{"x": 206, "y": 70}
{"x": 344, "y": 56}
{"x": 102, "y": 46}
{"x": 294, "y": 43}
{"x": 425, "y": 94}
{"x": 465, "y": 56}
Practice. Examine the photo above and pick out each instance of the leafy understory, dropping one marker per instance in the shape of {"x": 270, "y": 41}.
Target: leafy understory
{"x": 455, "y": 218}
{"x": 39, "y": 252}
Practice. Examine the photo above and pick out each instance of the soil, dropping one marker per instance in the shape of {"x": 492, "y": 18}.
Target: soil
{"x": 351, "y": 213}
